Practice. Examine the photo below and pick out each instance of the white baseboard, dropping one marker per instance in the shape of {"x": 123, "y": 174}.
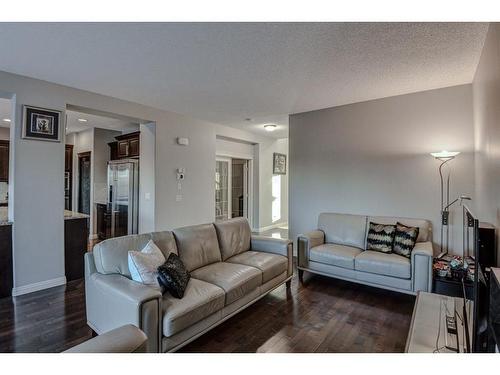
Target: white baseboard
{"x": 30, "y": 288}
{"x": 273, "y": 226}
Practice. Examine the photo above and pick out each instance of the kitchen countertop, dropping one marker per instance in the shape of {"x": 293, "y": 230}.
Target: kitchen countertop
{"x": 70, "y": 215}
{"x": 4, "y": 216}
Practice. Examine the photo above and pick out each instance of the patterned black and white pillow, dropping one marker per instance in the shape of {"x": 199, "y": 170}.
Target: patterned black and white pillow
{"x": 173, "y": 276}
{"x": 405, "y": 239}
{"x": 380, "y": 237}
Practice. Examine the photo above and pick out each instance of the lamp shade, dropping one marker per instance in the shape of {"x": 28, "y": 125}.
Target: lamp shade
{"x": 445, "y": 155}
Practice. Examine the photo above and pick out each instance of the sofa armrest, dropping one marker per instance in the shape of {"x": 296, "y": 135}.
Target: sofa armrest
{"x": 276, "y": 246}
{"x": 125, "y": 339}
{"x": 421, "y": 264}
{"x": 305, "y": 242}
{"x": 114, "y": 300}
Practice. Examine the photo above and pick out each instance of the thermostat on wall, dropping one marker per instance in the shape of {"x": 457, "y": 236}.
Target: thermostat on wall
{"x": 183, "y": 141}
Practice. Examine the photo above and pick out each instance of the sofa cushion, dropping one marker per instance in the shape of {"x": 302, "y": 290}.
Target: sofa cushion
{"x": 424, "y": 226}
{"x": 380, "y": 237}
{"x": 197, "y": 245}
{"x": 234, "y": 236}
{"x": 173, "y": 276}
{"x": 200, "y": 300}
{"x": 343, "y": 229}
{"x": 405, "y": 239}
{"x": 143, "y": 265}
{"x": 236, "y": 279}
{"x": 111, "y": 256}
{"x": 335, "y": 255}
{"x": 271, "y": 265}
{"x": 383, "y": 264}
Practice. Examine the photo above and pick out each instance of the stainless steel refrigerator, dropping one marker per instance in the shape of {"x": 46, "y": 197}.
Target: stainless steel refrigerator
{"x": 123, "y": 196}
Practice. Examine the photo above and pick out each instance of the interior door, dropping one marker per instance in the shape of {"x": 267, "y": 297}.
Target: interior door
{"x": 84, "y": 183}
{"x": 222, "y": 189}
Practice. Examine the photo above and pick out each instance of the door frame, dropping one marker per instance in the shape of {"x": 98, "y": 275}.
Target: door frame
{"x": 225, "y": 156}
{"x": 81, "y": 155}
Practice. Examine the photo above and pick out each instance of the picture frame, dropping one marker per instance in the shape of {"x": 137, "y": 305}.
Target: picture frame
{"x": 279, "y": 163}
{"x": 41, "y": 124}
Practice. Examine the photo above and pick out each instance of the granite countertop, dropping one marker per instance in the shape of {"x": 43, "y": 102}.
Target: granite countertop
{"x": 70, "y": 215}
{"x": 4, "y": 216}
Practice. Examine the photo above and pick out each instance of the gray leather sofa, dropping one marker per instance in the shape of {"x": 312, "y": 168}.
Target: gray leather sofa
{"x": 337, "y": 249}
{"x": 230, "y": 269}
{"x": 125, "y": 339}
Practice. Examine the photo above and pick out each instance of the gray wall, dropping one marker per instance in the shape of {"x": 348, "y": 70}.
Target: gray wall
{"x": 486, "y": 97}
{"x": 38, "y": 171}
{"x": 373, "y": 158}
{"x": 147, "y": 166}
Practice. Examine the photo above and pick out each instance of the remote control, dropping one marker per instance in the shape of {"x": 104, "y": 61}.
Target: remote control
{"x": 451, "y": 324}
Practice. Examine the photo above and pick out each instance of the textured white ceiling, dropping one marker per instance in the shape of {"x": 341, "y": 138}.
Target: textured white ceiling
{"x": 227, "y": 72}
{"x": 95, "y": 121}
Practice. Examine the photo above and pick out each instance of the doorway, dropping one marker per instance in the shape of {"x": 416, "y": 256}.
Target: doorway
{"x": 84, "y": 168}
{"x": 232, "y": 188}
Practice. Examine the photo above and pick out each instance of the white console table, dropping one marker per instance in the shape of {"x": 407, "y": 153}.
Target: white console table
{"x": 425, "y": 324}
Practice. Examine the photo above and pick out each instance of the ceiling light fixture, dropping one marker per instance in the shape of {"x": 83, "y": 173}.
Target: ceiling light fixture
{"x": 445, "y": 155}
{"x": 270, "y": 127}
{"x": 82, "y": 120}
{"x": 6, "y": 120}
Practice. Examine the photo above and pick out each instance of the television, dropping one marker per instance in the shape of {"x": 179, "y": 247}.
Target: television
{"x": 475, "y": 307}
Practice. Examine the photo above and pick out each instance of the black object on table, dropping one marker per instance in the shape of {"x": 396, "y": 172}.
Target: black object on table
{"x": 452, "y": 287}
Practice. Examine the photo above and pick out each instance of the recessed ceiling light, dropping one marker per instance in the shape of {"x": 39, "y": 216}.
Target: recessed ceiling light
{"x": 82, "y": 120}
{"x": 6, "y": 120}
{"x": 270, "y": 127}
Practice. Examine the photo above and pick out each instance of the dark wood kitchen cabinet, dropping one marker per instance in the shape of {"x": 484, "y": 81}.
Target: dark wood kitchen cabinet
{"x": 6, "y": 274}
{"x": 4, "y": 161}
{"x": 127, "y": 146}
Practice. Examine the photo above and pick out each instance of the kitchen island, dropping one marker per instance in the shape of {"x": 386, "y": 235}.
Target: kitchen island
{"x": 6, "y": 273}
{"x": 76, "y": 236}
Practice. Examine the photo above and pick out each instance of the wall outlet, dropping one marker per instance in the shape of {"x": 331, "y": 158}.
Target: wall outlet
{"x": 147, "y": 196}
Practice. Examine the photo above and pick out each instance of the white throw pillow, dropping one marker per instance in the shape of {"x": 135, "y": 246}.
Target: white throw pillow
{"x": 143, "y": 264}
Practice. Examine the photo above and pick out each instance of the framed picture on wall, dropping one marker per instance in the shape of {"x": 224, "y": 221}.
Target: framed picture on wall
{"x": 41, "y": 124}
{"x": 279, "y": 163}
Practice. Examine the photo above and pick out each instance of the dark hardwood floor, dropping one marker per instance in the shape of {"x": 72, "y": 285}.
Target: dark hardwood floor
{"x": 323, "y": 315}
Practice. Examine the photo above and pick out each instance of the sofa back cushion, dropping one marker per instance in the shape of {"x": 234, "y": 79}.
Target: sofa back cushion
{"x": 234, "y": 236}
{"x": 343, "y": 229}
{"x": 111, "y": 256}
{"x": 198, "y": 245}
{"x": 424, "y": 226}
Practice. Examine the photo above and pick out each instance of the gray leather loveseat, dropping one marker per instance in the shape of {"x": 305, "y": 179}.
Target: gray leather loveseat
{"x": 230, "y": 269}
{"x": 336, "y": 249}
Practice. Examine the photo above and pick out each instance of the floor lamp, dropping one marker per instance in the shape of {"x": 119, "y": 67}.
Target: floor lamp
{"x": 444, "y": 157}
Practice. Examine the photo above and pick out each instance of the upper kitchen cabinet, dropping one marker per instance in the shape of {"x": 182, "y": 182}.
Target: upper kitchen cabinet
{"x": 126, "y": 146}
{"x": 4, "y": 161}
